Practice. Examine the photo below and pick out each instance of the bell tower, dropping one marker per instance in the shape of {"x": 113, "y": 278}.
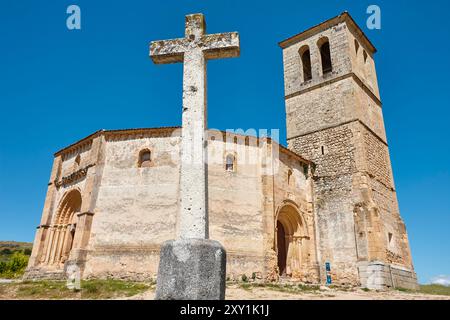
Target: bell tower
{"x": 334, "y": 118}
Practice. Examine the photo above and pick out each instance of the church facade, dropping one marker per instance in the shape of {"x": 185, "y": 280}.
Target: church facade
{"x": 325, "y": 207}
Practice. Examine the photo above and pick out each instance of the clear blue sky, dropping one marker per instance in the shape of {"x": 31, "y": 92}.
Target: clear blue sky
{"x": 57, "y": 86}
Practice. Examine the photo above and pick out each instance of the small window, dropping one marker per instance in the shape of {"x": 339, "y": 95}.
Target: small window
{"x": 305, "y": 56}
{"x": 229, "y": 163}
{"x": 323, "y": 150}
{"x": 145, "y": 158}
{"x": 289, "y": 177}
{"x": 365, "y": 56}
{"x": 325, "y": 55}
{"x": 390, "y": 235}
{"x": 356, "y": 46}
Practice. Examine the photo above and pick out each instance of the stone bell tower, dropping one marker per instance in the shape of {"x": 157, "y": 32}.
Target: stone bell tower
{"x": 334, "y": 118}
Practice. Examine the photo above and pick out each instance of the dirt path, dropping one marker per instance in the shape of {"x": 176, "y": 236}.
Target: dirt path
{"x": 234, "y": 292}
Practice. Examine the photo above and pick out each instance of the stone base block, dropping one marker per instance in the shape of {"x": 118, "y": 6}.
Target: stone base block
{"x": 381, "y": 276}
{"x": 192, "y": 269}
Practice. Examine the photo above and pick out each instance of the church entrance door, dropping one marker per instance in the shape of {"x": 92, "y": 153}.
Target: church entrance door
{"x": 282, "y": 252}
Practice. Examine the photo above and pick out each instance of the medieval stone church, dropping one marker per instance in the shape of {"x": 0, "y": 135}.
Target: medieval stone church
{"x": 328, "y": 199}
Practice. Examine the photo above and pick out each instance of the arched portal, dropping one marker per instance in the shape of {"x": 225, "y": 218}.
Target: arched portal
{"x": 290, "y": 235}
{"x": 63, "y": 229}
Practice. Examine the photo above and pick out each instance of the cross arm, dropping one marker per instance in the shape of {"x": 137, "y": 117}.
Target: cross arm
{"x": 167, "y": 51}
{"x": 221, "y": 45}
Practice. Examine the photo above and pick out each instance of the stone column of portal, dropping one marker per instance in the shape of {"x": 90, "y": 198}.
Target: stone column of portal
{"x": 193, "y": 267}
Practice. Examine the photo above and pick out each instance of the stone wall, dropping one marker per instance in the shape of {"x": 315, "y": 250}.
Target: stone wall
{"x": 381, "y": 276}
{"x": 136, "y": 209}
{"x": 336, "y": 121}
{"x": 333, "y": 193}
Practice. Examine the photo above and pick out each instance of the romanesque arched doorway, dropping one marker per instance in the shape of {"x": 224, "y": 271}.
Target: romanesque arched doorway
{"x": 63, "y": 229}
{"x": 290, "y": 232}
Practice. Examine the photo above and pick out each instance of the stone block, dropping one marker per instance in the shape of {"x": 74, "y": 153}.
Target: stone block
{"x": 191, "y": 269}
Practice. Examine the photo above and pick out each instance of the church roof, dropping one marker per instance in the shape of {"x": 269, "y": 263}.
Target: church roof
{"x": 344, "y": 16}
{"x": 158, "y": 130}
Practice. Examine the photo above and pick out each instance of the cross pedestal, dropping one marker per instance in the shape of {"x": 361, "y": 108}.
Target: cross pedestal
{"x": 193, "y": 267}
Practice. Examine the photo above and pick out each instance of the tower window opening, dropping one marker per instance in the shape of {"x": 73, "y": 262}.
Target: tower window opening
{"x": 325, "y": 55}
{"x": 305, "y": 56}
{"x": 323, "y": 150}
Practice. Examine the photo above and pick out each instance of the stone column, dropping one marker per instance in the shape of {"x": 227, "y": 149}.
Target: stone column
{"x": 269, "y": 211}
{"x": 55, "y": 244}
{"x": 42, "y": 234}
{"x": 49, "y": 245}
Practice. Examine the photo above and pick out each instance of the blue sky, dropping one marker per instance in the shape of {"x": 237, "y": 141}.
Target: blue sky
{"x": 57, "y": 86}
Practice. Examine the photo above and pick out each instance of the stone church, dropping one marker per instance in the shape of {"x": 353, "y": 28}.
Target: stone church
{"x": 324, "y": 207}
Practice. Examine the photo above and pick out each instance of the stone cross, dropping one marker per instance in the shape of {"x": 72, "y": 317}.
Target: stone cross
{"x": 194, "y": 50}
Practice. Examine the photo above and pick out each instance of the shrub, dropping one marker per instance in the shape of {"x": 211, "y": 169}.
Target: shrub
{"x": 2, "y": 267}
{"x": 244, "y": 278}
{"x": 18, "y": 262}
{"x": 6, "y": 251}
{"x": 15, "y": 266}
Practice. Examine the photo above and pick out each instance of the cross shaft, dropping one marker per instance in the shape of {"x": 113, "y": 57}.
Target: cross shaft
{"x": 194, "y": 50}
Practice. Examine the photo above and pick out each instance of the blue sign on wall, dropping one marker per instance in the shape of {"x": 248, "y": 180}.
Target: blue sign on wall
{"x": 328, "y": 271}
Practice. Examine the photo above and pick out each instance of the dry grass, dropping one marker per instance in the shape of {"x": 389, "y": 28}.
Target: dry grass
{"x": 435, "y": 289}
{"x": 90, "y": 289}
{"x": 289, "y": 288}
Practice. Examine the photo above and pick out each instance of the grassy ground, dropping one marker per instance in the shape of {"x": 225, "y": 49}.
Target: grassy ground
{"x": 90, "y": 289}
{"x": 289, "y": 288}
{"x": 116, "y": 289}
{"x": 435, "y": 289}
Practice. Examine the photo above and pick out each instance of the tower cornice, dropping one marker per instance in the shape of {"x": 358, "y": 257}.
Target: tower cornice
{"x": 343, "y": 17}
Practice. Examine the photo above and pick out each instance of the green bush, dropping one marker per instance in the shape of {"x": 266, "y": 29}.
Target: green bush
{"x": 6, "y": 251}
{"x": 15, "y": 266}
{"x": 2, "y": 267}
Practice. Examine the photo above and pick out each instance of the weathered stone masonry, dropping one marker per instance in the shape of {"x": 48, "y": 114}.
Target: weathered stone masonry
{"x": 329, "y": 197}
{"x": 133, "y": 209}
{"x": 335, "y": 119}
